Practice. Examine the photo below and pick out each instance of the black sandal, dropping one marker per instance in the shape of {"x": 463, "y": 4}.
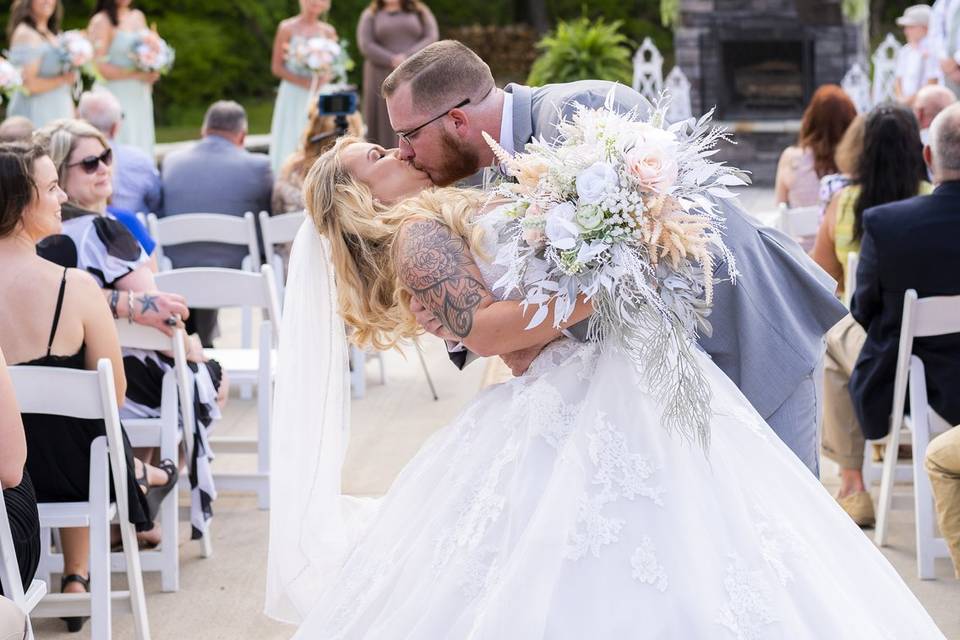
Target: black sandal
{"x": 156, "y": 493}
{"x": 75, "y": 624}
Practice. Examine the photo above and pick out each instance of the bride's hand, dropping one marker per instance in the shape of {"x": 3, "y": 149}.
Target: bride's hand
{"x": 429, "y": 322}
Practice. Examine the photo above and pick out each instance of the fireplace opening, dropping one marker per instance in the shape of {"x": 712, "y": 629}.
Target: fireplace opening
{"x": 765, "y": 78}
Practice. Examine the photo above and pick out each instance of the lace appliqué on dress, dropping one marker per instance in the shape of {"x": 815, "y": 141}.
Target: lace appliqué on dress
{"x": 646, "y": 568}
{"x": 748, "y": 608}
{"x": 778, "y": 540}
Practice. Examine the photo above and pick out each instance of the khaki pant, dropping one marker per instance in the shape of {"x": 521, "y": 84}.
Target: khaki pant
{"x": 943, "y": 467}
{"x": 843, "y": 439}
{"x": 13, "y": 623}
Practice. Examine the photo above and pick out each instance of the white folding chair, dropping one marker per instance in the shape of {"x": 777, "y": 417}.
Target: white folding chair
{"x": 208, "y": 288}
{"x": 279, "y": 229}
{"x": 87, "y": 395}
{"x": 850, "y": 277}
{"x": 799, "y": 222}
{"x": 163, "y": 432}
{"x": 211, "y": 227}
{"x": 13, "y": 589}
{"x": 933, "y": 316}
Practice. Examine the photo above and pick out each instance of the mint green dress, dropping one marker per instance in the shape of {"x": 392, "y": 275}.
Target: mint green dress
{"x": 135, "y": 96}
{"x": 289, "y": 114}
{"x": 41, "y": 108}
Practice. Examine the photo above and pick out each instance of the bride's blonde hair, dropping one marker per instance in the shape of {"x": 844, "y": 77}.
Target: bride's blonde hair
{"x": 361, "y": 232}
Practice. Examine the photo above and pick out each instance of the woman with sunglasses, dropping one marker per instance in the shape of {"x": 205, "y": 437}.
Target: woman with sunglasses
{"x": 94, "y": 240}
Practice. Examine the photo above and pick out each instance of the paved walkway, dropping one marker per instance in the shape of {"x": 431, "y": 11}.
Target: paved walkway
{"x": 221, "y": 597}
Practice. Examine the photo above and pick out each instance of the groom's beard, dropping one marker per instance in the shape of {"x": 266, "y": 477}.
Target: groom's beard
{"x": 459, "y": 161}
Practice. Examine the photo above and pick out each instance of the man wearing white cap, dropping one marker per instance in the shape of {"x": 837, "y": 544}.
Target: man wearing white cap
{"x": 917, "y": 66}
{"x": 944, "y": 40}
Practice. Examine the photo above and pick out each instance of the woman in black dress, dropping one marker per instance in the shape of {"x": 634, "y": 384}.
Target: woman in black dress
{"x": 18, "y": 495}
{"x": 60, "y": 319}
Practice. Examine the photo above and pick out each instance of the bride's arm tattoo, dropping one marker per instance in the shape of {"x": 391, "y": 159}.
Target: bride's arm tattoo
{"x": 436, "y": 266}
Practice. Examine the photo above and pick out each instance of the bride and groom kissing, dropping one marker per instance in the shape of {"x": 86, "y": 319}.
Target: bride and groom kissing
{"x": 554, "y": 505}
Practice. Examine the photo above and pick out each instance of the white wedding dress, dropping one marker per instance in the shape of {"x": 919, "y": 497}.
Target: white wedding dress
{"x": 556, "y": 506}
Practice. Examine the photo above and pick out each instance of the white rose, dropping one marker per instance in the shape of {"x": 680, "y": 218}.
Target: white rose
{"x": 595, "y": 182}
{"x": 560, "y": 229}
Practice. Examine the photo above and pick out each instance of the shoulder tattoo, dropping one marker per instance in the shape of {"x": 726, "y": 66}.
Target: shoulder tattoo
{"x": 433, "y": 263}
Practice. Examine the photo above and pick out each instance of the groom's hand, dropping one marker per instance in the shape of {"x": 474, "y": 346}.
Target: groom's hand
{"x": 429, "y": 322}
{"x": 520, "y": 361}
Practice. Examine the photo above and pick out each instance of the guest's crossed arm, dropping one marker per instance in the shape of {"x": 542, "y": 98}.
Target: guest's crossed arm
{"x": 436, "y": 266}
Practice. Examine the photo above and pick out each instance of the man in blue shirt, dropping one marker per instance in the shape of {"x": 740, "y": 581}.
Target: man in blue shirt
{"x": 136, "y": 181}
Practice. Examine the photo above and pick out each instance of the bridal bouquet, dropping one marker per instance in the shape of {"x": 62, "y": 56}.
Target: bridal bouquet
{"x": 323, "y": 57}
{"x": 618, "y": 209}
{"x": 76, "y": 51}
{"x": 151, "y": 53}
{"x": 10, "y": 79}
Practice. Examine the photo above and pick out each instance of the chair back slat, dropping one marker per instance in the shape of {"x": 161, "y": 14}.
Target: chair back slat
{"x": 279, "y": 229}
{"x": 215, "y": 288}
{"x": 204, "y": 227}
{"x": 801, "y": 221}
{"x": 77, "y": 391}
{"x": 936, "y": 316}
{"x": 850, "y": 277}
{"x": 138, "y": 336}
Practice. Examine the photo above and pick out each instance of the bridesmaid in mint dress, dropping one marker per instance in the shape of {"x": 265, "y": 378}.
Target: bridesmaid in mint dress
{"x": 114, "y": 30}
{"x": 33, "y": 27}
{"x": 290, "y": 113}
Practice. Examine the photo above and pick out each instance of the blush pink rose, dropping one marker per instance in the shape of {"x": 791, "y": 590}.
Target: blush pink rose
{"x": 652, "y": 161}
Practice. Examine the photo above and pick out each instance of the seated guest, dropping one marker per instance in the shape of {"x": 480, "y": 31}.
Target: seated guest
{"x": 943, "y": 467}
{"x": 18, "y": 495}
{"x": 909, "y": 244}
{"x": 890, "y": 168}
{"x": 846, "y": 157}
{"x": 217, "y": 175}
{"x": 931, "y": 100}
{"x": 97, "y": 243}
{"x": 16, "y": 129}
{"x": 60, "y": 320}
{"x": 319, "y": 136}
{"x": 802, "y": 165}
{"x": 136, "y": 181}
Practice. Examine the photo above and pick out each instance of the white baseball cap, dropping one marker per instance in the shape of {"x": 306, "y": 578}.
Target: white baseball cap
{"x": 916, "y": 16}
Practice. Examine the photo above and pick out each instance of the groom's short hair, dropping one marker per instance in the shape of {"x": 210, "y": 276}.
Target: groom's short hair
{"x": 444, "y": 72}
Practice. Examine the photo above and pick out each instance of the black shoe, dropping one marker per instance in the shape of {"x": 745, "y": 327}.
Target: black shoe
{"x": 75, "y": 624}
{"x": 156, "y": 493}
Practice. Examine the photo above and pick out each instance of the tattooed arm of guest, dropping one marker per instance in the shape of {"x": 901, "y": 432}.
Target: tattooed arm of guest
{"x": 436, "y": 266}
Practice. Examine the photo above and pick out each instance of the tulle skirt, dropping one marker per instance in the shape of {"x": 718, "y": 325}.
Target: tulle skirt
{"x": 43, "y": 108}
{"x": 289, "y": 121}
{"x": 557, "y": 506}
{"x": 136, "y": 98}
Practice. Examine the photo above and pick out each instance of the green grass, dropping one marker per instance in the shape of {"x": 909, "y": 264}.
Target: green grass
{"x": 187, "y": 120}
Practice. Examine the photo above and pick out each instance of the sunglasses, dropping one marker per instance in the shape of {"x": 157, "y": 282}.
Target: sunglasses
{"x": 90, "y": 164}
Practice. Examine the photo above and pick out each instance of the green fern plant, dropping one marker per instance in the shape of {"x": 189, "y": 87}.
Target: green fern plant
{"x": 583, "y": 49}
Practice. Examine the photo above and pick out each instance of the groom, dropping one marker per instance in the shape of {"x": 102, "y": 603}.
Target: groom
{"x": 767, "y": 329}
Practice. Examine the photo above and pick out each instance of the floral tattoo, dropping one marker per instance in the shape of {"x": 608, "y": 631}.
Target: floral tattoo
{"x": 434, "y": 263}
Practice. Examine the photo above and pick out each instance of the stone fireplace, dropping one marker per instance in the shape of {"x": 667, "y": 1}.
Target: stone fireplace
{"x": 759, "y": 62}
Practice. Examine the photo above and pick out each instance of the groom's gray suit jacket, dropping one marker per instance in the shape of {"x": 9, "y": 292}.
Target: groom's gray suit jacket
{"x": 768, "y": 328}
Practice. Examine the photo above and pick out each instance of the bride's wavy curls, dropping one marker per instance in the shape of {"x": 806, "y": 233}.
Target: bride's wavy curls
{"x": 361, "y": 231}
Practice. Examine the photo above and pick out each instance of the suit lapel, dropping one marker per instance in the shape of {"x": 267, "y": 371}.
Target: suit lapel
{"x": 522, "y": 114}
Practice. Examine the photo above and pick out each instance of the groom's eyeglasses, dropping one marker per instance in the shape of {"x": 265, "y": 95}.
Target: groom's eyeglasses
{"x": 410, "y": 134}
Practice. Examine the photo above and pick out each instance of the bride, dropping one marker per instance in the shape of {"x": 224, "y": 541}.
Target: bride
{"x": 554, "y": 505}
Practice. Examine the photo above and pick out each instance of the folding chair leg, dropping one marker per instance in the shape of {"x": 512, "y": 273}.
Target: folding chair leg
{"x": 100, "y": 603}
{"x": 358, "y": 376}
{"x": 923, "y": 500}
{"x": 886, "y": 486}
{"x": 207, "y": 544}
{"x": 426, "y": 372}
{"x": 264, "y": 393}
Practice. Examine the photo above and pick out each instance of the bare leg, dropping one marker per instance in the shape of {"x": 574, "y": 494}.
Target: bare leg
{"x": 76, "y": 555}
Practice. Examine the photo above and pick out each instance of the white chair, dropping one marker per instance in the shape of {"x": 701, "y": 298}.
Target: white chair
{"x": 276, "y": 230}
{"x": 850, "y": 277}
{"x": 799, "y": 222}
{"x": 88, "y": 395}
{"x": 933, "y": 316}
{"x": 10, "y": 573}
{"x": 163, "y": 432}
{"x": 208, "y": 288}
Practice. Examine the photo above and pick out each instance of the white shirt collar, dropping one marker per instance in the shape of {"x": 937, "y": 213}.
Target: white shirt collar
{"x": 506, "y": 124}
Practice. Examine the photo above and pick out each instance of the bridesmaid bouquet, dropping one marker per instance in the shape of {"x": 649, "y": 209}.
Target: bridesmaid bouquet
{"x": 10, "y": 79}
{"x": 152, "y": 54}
{"x": 323, "y": 57}
{"x": 76, "y": 51}
{"x": 618, "y": 209}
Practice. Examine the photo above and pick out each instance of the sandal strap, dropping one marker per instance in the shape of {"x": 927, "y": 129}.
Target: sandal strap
{"x": 73, "y": 577}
